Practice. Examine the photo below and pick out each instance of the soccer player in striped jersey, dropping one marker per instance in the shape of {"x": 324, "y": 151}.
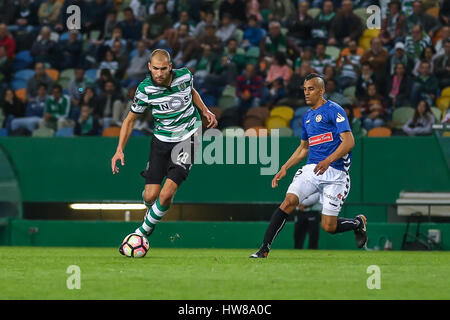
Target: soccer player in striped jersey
{"x": 176, "y": 108}
{"x": 327, "y": 140}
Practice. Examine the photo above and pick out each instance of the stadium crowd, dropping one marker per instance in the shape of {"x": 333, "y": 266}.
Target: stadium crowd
{"x": 249, "y": 59}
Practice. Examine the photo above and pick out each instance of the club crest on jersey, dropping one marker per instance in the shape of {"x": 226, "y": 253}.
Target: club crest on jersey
{"x": 319, "y": 118}
{"x": 182, "y": 86}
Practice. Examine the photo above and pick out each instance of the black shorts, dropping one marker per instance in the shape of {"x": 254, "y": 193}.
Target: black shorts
{"x": 161, "y": 163}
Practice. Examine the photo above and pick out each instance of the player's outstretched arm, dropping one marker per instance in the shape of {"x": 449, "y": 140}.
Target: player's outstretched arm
{"x": 347, "y": 144}
{"x": 198, "y": 102}
{"x": 297, "y": 156}
{"x": 125, "y": 133}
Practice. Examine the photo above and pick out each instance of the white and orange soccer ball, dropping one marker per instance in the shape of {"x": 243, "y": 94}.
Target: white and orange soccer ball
{"x": 135, "y": 246}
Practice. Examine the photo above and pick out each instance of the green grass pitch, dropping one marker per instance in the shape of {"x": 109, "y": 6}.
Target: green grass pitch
{"x": 166, "y": 274}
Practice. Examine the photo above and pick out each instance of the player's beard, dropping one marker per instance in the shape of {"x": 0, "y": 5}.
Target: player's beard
{"x": 162, "y": 81}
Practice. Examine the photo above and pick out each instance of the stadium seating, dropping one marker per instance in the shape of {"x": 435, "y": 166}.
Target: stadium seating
{"x": 53, "y": 73}
{"x": 284, "y": 132}
{"x": 349, "y": 92}
{"x": 111, "y": 132}
{"x": 284, "y": 112}
{"x": 3, "y": 132}
{"x": 333, "y": 51}
{"x": 91, "y": 74}
{"x": 437, "y": 113}
{"x": 226, "y": 102}
{"x": 434, "y": 11}
{"x": 379, "y": 132}
{"x": 362, "y": 14}
{"x": 64, "y": 132}
{"x": 445, "y": 92}
{"x": 23, "y": 60}
{"x": 443, "y": 103}
{"x": 21, "y": 94}
{"x": 274, "y": 122}
{"x": 229, "y": 91}
{"x": 137, "y": 133}
{"x": 18, "y": 84}
{"x": 401, "y": 115}
{"x": 23, "y": 74}
{"x": 43, "y": 132}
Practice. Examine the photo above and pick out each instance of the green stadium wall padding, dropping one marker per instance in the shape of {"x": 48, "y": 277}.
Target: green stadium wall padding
{"x": 79, "y": 169}
{"x": 189, "y": 234}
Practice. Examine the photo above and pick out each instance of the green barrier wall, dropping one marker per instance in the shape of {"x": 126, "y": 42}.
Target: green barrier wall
{"x": 188, "y": 234}
{"x": 78, "y": 169}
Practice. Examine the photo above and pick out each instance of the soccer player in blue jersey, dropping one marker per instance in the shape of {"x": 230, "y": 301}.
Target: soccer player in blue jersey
{"x": 327, "y": 140}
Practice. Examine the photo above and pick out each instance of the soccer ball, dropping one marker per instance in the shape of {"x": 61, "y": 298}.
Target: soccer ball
{"x": 135, "y": 246}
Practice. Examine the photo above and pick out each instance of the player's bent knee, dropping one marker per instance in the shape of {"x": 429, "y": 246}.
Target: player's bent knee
{"x": 289, "y": 203}
{"x": 328, "y": 227}
{"x": 150, "y": 197}
{"x": 165, "y": 198}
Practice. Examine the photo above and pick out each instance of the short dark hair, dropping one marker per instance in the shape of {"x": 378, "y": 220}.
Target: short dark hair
{"x": 58, "y": 87}
{"x": 314, "y": 75}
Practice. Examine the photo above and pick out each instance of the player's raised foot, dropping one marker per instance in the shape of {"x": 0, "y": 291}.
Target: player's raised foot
{"x": 263, "y": 252}
{"x": 361, "y": 232}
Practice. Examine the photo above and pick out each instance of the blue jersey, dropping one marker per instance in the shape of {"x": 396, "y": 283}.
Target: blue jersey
{"x": 322, "y": 128}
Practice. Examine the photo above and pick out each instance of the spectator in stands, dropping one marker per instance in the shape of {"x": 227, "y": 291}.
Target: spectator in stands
{"x": 442, "y": 66}
{"x": 332, "y": 94}
{"x": 295, "y": 85}
{"x": 77, "y": 86}
{"x": 200, "y": 28}
{"x": 426, "y": 55}
{"x": 329, "y": 72}
{"x": 373, "y": 109}
{"x": 71, "y": 50}
{"x": 253, "y": 33}
{"x": 425, "y": 86}
{"x": 377, "y": 56}
{"x": 185, "y": 19}
{"x": 117, "y": 35}
{"x": 439, "y": 45}
{"x": 307, "y": 55}
{"x": 224, "y": 72}
{"x": 415, "y": 43}
{"x": 136, "y": 70}
{"x": 399, "y": 87}
{"x": 275, "y": 41}
{"x": 300, "y": 29}
{"x": 131, "y": 27}
{"x": 249, "y": 88}
{"x": 367, "y": 77}
{"x": 33, "y": 112}
{"x": 399, "y": 56}
{"x": 279, "y": 69}
{"x": 57, "y": 110}
{"x": 110, "y": 23}
{"x": 49, "y": 12}
{"x": 236, "y": 57}
{"x": 348, "y": 64}
{"x": 90, "y": 98}
{"x": 105, "y": 76}
{"x": 252, "y": 9}
{"x": 109, "y": 63}
{"x": 12, "y": 108}
{"x": 355, "y": 123}
{"x": 25, "y": 16}
{"x": 444, "y": 13}
{"x": 6, "y": 69}
{"x": 211, "y": 39}
{"x": 236, "y": 9}
{"x": 393, "y": 27}
{"x": 87, "y": 124}
{"x": 40, "y": 76}
{"x": 7, "y": 41}
{"x": 96, "y": 12}
{"x": 418, "y": 17}
{"x": 276, "y": 92}
{"x": 156, "y": 26}
{"x": 321, "y": 24}
{"x": 185, "y": 47}
{"x": 45, "y": 49}
{"x": 227, "y": 29}
{"x": 110, "y": 105}
{"x": 421, "y": 122}
{"x": 346, "y": 26}
{"x": 122, "y": 59}
{"x": 283, "y": 11}
{"x": 321, "y": 59}
{"x": 6, "y": 11}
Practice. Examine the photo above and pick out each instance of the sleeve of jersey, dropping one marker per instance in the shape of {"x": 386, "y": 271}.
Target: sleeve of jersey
{"x": 340, "y": 119}
{"x": 304, "y": 134}
{"x": 140, "y": 102}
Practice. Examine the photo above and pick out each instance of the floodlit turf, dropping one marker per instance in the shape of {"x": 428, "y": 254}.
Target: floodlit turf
{"x": 40, "y": 273}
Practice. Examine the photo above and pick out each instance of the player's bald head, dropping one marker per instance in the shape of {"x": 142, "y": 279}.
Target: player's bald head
{"x": 316, "y": 80}
{"x": 160, "y": 55}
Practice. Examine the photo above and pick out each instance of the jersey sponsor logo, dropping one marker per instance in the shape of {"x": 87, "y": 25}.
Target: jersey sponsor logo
{"x": 340, "y": 118}
{"x": 320, "y": 138}
{"x": 319, "y": 118}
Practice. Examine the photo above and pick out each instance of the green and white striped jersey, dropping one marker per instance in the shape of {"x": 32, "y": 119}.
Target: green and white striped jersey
{"x": 175, "y": 116}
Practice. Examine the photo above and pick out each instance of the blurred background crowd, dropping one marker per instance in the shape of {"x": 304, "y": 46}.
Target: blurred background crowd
{"x": 249, "y": 59}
